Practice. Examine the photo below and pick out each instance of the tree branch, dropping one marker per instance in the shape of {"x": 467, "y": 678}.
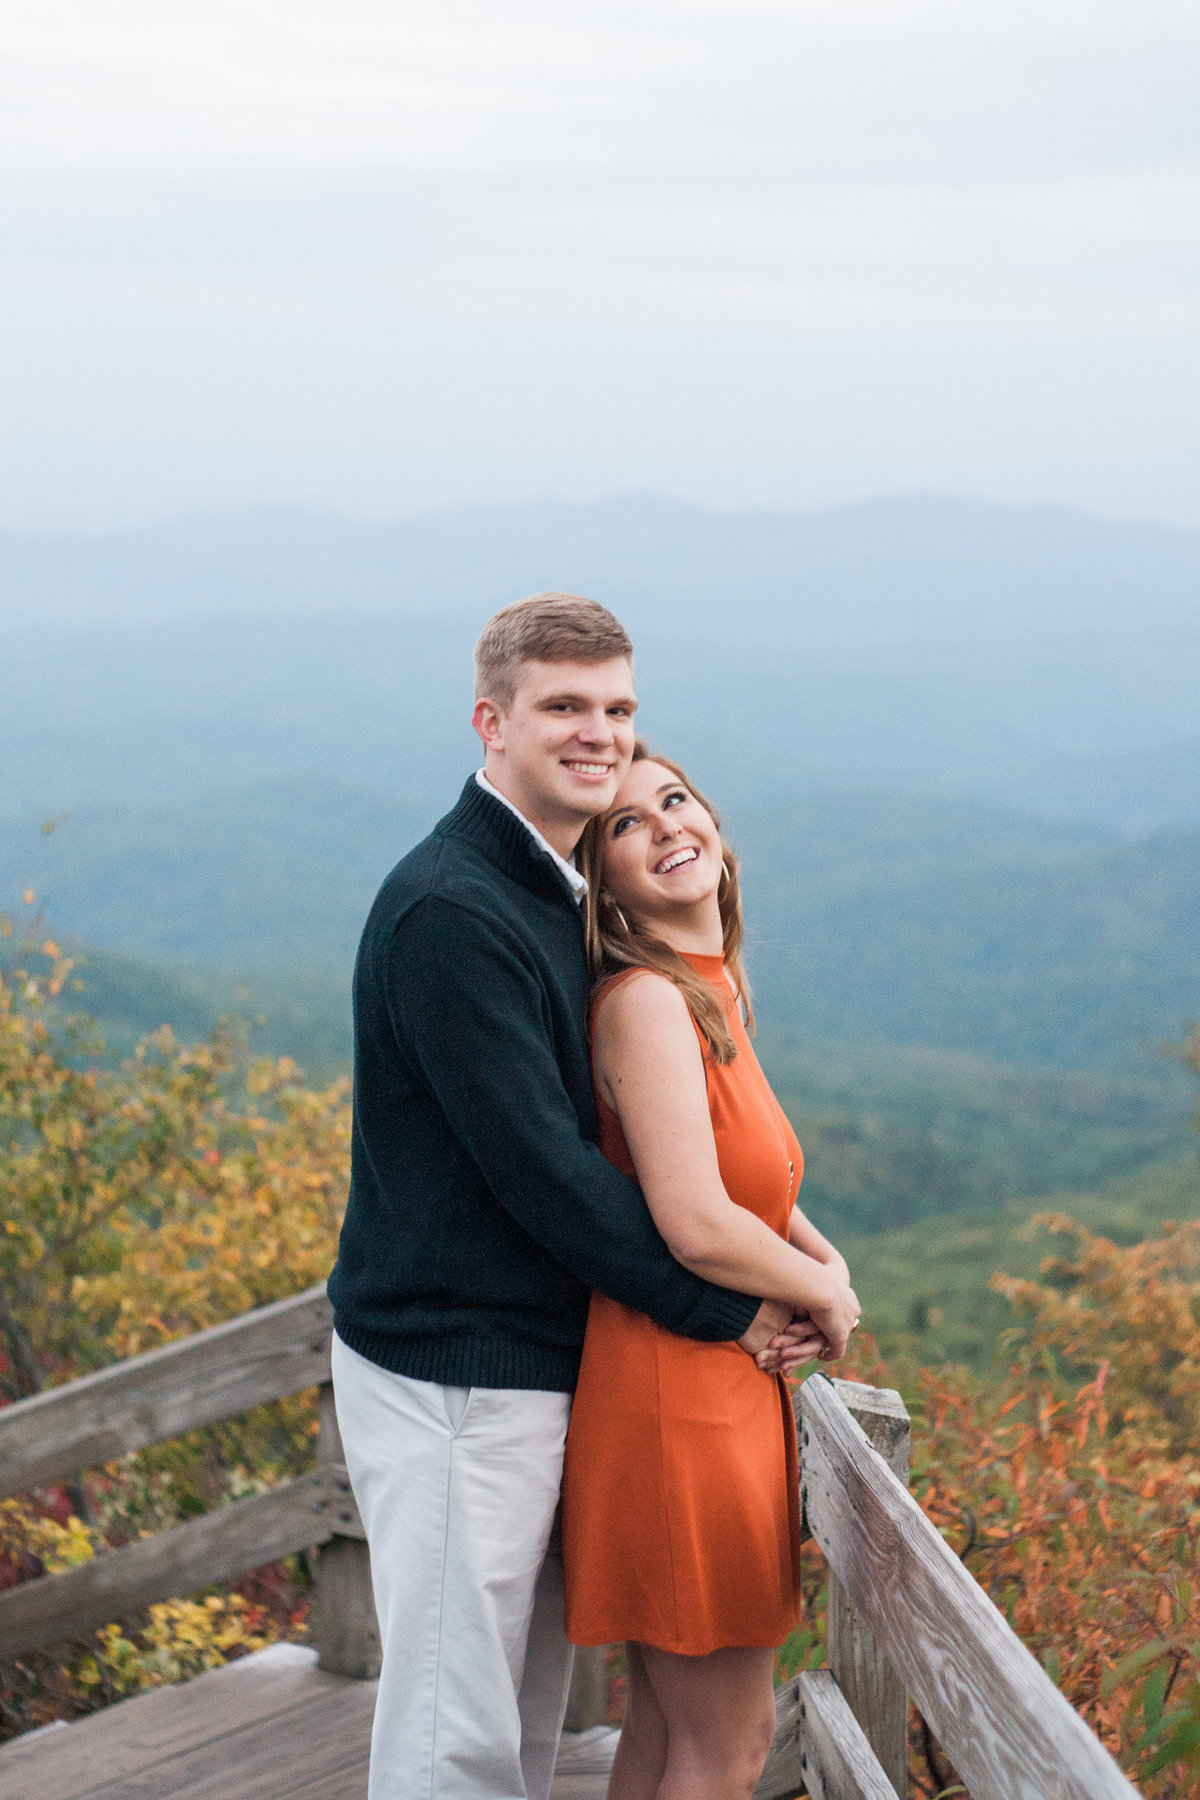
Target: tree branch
{"x": 20, "y": 1349}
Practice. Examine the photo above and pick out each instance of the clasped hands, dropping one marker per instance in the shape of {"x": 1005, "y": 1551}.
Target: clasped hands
{"x": 781, "y": 1339}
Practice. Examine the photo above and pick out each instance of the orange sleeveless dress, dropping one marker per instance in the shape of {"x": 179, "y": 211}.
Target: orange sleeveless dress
{"x": 681, "y": 1514}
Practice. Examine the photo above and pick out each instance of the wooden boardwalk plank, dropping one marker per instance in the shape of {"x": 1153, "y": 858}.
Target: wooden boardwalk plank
{"x": 122, "y": 1740}
{"x": 319, "y": 1745}
{"x": 270, "y": 1727}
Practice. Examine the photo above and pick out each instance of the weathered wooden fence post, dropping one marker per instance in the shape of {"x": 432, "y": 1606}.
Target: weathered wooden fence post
{"x": 874, "y": 1692}
{"x": 347, "y": 1631}
{"x": 586, "y": 1700}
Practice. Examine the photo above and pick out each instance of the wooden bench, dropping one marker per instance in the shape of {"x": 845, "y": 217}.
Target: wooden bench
{"x": 905, "y": 1617}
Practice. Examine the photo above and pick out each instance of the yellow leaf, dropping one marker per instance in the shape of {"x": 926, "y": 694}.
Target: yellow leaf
{"x": 28, "y": 896}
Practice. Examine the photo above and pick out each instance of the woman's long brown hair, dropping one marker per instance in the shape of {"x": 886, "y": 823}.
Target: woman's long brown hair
{"x": 615, "y": 942}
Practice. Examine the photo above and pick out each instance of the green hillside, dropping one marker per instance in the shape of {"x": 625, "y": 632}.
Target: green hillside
{"x": 959, "y": 1005}
{"x": 1055, "y": 951}
{"x": 292, "y": 1014}
{"x": 924, "y": 1165}
{"x": 924, "y": 1288}
{"x": 894, "y": 1135}
{"x": 873, "y": 918}
{"x": 275, "y": 875}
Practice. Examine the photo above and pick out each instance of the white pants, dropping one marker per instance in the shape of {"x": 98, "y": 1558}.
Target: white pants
{"x": 458, "y": 1488}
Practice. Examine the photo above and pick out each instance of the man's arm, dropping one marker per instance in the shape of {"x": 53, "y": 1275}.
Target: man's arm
{"x": 471, "y": 1016}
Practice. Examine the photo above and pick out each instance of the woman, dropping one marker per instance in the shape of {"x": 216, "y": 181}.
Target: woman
{"x": 680, "y": 1503}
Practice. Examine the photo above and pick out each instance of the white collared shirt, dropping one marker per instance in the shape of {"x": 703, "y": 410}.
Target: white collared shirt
{"x": 575, "y": 881}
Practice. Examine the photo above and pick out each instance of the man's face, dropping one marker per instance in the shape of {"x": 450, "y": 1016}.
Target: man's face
{"x": 563, "y": 747}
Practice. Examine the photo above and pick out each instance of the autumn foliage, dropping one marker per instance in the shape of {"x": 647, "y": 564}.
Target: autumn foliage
{"x": 147, "y": 1201}
{"x": 191, "y": 1184}
{"x": 142, "y": 1203}
{"x": 1072, "y": 1491}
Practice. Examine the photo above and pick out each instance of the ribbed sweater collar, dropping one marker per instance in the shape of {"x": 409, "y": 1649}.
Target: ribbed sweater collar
{"x": 503, "y": 838}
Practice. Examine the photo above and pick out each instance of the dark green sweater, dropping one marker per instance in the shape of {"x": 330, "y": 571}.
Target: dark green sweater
{"x": 481, "y": 1213}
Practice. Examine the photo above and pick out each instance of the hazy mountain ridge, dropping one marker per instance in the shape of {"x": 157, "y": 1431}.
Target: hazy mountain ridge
{"x": 279, "y": 874}
{"x": 462, "y": 560}
{"x": 885, "y": 918}
{"x": 1080, "y": 962}
{"x": 1022, "y": 656}
{"x": 958, "y": 747}
{"x": 158, "y": 717}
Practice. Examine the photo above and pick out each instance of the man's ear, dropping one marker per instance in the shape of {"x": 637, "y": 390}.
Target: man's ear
{"x": 488, "y": 721}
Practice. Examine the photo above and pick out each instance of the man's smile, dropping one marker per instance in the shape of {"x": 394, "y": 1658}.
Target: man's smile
{"x": 591, "y": 771}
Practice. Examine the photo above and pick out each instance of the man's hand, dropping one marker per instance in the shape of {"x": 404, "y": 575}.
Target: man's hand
{"x": 780, "y": 1339}
{"x": 770, "y": 1321}
{"x": 800, "y": 1343}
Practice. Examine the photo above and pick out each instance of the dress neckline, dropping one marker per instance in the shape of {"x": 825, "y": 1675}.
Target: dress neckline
{"x": 711, "y": 967}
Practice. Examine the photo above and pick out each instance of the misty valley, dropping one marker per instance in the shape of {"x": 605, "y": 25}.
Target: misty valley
{"x": 956, "y": 747}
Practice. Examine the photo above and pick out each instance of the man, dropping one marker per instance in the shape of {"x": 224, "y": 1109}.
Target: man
{"x": 481, "y": 1214}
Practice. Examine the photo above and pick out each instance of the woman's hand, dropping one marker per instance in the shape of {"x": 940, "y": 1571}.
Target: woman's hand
{"x": 838, "y": 1267}
{"x": 835, "y": 1316}
{"x": 805, "y": 1237}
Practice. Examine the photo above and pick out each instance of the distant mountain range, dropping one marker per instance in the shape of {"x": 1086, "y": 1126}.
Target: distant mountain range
{"x": 959, "y": 745}
{"x": 1029, "y": 658}
{"x": 878, "y": 918}
{"x": 890, "y": 571}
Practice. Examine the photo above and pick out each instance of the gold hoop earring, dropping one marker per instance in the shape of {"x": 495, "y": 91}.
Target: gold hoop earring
{"x": 622, "y": 921}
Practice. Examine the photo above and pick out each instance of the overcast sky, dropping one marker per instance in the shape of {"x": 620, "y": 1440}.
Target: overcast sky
{"x": 381, "y": 254}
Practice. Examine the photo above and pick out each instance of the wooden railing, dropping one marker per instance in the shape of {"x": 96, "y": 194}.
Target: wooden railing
{"x": 904, "y": 1618}
{"x": 217, "y": 1374}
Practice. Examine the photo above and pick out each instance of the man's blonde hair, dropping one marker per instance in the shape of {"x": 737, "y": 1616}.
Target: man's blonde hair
{"x": 546, "y": 628}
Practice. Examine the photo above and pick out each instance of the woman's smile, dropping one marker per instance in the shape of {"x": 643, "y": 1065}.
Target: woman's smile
{"x": 661, "y": 856}
{"x": 677, "y": 859}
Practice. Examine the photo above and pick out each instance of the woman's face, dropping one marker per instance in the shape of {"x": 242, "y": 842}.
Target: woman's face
{"x": 661, "y": 851}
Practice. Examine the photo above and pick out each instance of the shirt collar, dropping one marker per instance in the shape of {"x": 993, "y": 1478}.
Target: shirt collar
{"x": 574, "y": 880}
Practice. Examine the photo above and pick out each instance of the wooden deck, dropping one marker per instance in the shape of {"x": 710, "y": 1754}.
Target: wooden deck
{"x": 904, "y": 1617}
{"x": 270, "y": 1727}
